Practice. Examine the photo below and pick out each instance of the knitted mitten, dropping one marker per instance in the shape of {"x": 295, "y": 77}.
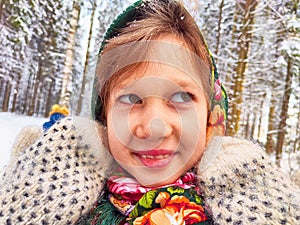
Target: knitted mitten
{"x": 25, "y": 138}
{"x": 243, "y": 186}
{"x": 296, "y": 178}
{"x": 58, "y": 178}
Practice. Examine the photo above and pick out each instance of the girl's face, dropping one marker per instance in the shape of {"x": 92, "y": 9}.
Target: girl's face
{"x": 156, "y": 123}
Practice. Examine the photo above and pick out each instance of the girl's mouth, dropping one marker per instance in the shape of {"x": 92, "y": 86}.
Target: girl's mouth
{"x": 155, "y": 158}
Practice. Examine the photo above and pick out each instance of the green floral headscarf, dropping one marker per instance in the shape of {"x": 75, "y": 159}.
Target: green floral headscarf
{"x": 218, "y": 99}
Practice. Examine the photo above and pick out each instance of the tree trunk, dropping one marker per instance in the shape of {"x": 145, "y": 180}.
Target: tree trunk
{"x": 297, "y": 141}
{"x": 219, "y": 27}
{"x": 243, "y": 47}
{"x": 271, "y": 127}
{"x": 284, "y": 111}
{"x": 260, "y": 117}
{"x": 297, "y": 147}
{"x": 6, "y": 96}
{"x": 1, "y": 91}
{"x": 247, "y": 126}
{"x": 253, "y": 126}
{"x": 25, "y": 101}
{"x": 1, "y": 10}
{"x": 36, "y": 86}
{"x": 16, "y": 91}
{"x": 49, "y": 98}
{"x": 86, "y": 64}
{"x": 67, "y": 72}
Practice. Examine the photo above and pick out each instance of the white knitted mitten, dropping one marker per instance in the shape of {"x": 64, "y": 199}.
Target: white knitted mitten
{"x": 296, "y": 178}
{"x": 243, "y": 186}
{"x": 58, "y": 178}
{"x": 27, "y": 136}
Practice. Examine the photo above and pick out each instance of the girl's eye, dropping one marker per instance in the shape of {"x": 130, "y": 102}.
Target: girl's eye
{"x": 181, "y": 97}
{"x": 130, "y": 99}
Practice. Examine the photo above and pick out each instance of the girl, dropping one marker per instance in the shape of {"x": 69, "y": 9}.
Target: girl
{"x": 155, "y": 154}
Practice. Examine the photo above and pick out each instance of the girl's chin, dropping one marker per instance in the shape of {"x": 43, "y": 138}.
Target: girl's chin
{"x": 151, "y": 172}
{"x": 155, "y": 182}
{"x": 150, "y": 177}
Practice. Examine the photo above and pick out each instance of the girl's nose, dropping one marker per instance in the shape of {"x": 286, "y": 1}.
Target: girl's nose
{"x": 154, "y": 121}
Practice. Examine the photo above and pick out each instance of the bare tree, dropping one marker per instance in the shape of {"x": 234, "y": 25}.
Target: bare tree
{"x": 245, "y": 10}
{"x": 69, "y": 60}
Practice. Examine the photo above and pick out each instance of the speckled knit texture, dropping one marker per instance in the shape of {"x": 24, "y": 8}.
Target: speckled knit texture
{"x": 243, "y": 186}
{"x": 58, "y": 179}
{"x": 27, "y": 136}
{"x": 296, "y": 178}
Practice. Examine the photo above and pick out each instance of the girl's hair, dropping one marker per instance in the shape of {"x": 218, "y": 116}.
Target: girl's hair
{"x": 151, "y": 20}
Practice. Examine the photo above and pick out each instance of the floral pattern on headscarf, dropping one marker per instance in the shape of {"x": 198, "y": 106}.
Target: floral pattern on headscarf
{"x": 177, "y": 203}
{"x": 171, "y": 205}
{"x": 216, "y": 123}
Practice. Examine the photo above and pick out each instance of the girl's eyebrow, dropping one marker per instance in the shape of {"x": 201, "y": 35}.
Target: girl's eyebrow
{"x": 186, "y": 84}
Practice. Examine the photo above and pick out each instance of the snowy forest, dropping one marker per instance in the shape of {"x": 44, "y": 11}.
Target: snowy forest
{"x": 49, "y": 48}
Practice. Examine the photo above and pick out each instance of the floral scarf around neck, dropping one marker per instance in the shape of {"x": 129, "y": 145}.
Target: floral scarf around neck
{"x": 126, "y": 202}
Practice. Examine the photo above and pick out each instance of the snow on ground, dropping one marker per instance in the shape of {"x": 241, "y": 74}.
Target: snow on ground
{"x": 12, "y": 124}
{"x": 10, "y": 127}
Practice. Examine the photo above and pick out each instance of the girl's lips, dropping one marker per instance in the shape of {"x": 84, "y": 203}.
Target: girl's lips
{"x": 155, "y": 158}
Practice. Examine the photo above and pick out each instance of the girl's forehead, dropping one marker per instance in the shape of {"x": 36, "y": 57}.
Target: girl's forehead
{"x": 156, "y": 72}
{"x": 166, "y": 50}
